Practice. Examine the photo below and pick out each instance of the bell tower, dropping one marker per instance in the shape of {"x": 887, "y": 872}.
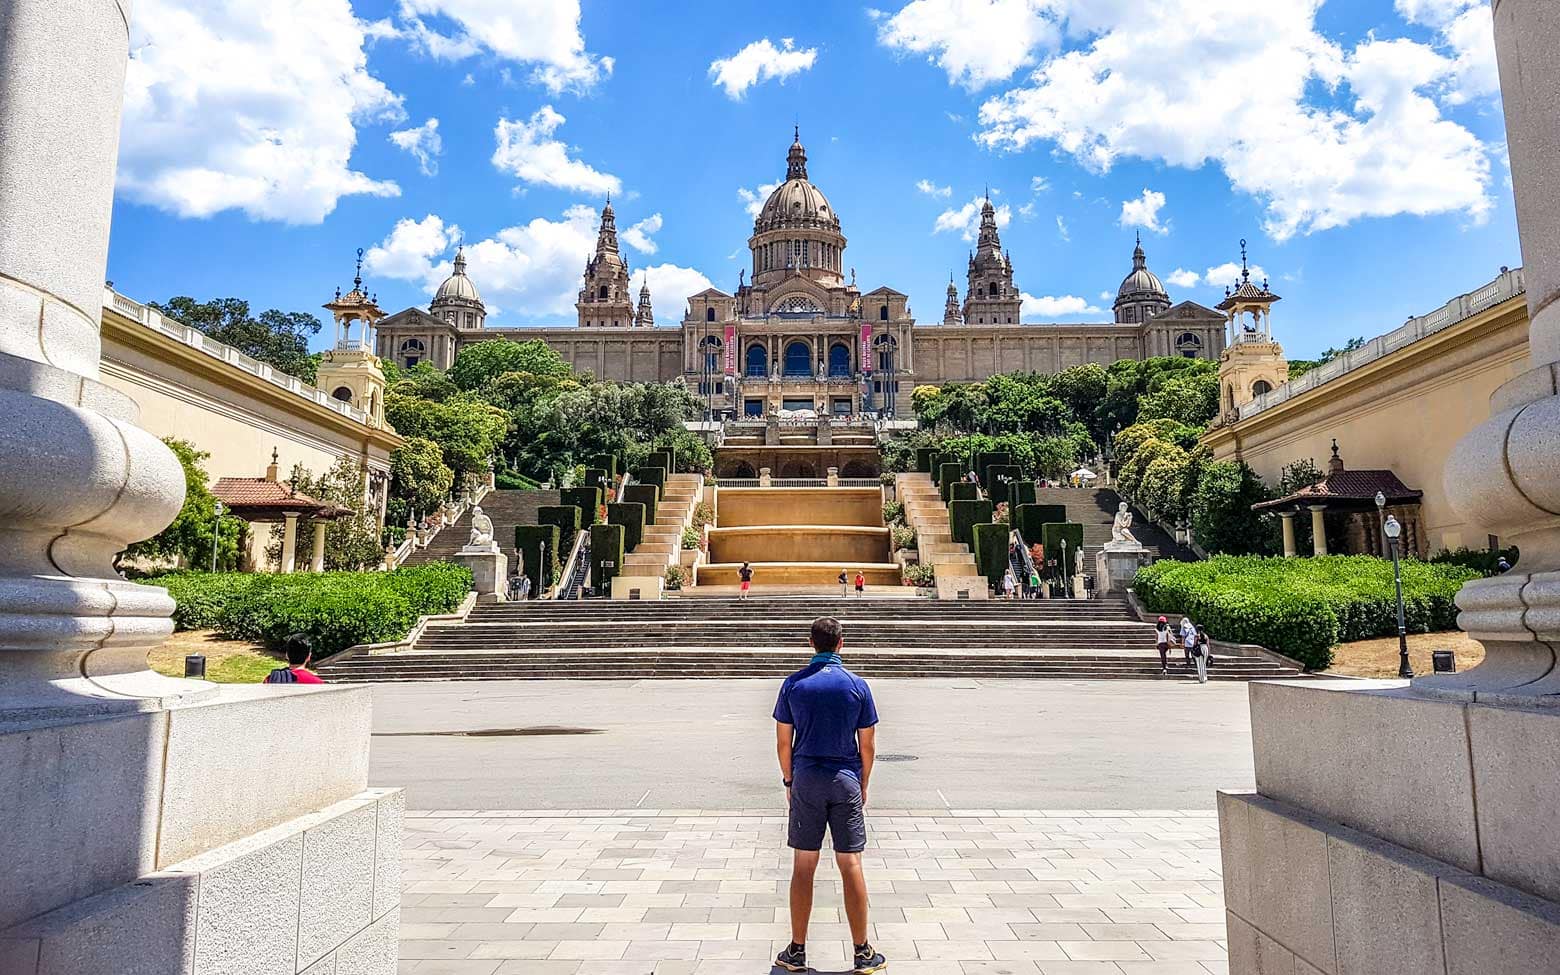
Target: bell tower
{"x": 991, "y": 298}
{"x": 1252, "y": 363}
{"x": 349, "y": 371}
{"x": 604, "y": 299}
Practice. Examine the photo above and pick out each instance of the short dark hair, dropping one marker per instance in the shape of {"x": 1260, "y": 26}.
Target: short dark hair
{"x": 299, "y": 648}
{"x": 826, "y": 634}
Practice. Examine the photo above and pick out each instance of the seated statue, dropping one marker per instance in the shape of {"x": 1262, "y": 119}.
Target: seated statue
{"x": 481, "y": 529}
{"x": 1121, "y": 528}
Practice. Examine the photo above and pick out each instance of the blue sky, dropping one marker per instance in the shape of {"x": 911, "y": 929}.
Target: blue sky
{"x": 1357, "y": 145}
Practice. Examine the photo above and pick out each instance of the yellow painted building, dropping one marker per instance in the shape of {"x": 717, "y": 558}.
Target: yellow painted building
{"x": 1401, "y": 402}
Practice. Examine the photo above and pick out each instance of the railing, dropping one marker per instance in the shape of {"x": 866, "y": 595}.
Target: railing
{"x": 198, "y": 340}
{"x": 568, "y": 577}
{"x": 1509, "y": 285}
{"x": 446, "y": 516}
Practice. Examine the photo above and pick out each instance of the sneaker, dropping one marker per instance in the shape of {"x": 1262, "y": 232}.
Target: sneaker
{"x": 869, "y": 960}
{"x": 792, "y": 959}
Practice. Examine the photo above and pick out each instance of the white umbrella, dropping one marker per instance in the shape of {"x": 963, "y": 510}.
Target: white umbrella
{"x": 1084, "y": 473}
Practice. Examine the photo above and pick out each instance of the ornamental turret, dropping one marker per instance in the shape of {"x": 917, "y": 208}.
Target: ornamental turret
{"x": 604, "y": 300}
{"x": 644, "y": 317}
{"x": 991, "y": 299}
{"x": 951, "y": 313}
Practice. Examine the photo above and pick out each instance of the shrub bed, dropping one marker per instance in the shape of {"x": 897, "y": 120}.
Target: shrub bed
{"x": 1052, "y": 534}
{"x": 1303, "y": 607}
{"x": 991, "y": 551}
{"x": 1020, "y": 492}
{"x": 631, "y": 515}
{"x": 1032, "y": 519}
{"x": 336, "y": 610}
{"x": 963, "y": 491}
{"x": 529, "y": 540}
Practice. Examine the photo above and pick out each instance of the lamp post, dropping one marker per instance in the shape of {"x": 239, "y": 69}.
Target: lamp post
{"x": 1381, "y": 511}
{"x": 216, "y": 536}
{"x": 1066, "y": 589}
{"x": 1393, "y": 530}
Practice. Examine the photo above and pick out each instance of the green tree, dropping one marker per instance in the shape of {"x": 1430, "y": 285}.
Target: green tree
{"x": 352, "y": 542}
{"x": 419, "y": 479}
{"x": 280, "y": 338}
{"x": 1222, "y": 519}
{"x": 482, "y": 362}
{"x": 467, "y": 432}
{"x": 1191, "y": 398}
{"x": 422, "y": 381}
{"x": 188, "y": 539}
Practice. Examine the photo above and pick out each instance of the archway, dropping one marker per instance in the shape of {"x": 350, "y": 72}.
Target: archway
{"x": 1260, "y": 387}
{"x": 738, "y": 470}
{"x": 798, "y": 468}
{"x": 757, "y": 361}
{"x": 858, "y": 468}
{"x": 798, "y": 359}
{"x": 839, "y": 360}
{"x": 342, "y": 393}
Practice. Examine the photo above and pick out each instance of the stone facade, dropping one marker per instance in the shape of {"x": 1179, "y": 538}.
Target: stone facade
{"x": 801, "y": 334}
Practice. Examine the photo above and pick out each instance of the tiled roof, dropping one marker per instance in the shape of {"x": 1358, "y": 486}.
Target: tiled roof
{"x": 1247, "y": 292}
{"x": 1351, "y": 486}
{"x": 260, "y": 495}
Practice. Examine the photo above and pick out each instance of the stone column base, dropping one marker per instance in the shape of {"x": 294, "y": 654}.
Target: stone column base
{"x": 962, "y": 587}
{"x": 489, "y": 572}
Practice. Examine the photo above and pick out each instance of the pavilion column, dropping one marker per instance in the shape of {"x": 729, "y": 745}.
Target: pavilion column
{"x": 1318, "y": 529}
{"x": 1288, "y": 518}
{"x": 317, "y": 560}
{"x": 289, "y": 542}
{"x": 79, "y": 480}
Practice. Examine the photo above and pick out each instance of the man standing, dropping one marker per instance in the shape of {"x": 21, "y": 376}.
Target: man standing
{"x": 826, "y": 738}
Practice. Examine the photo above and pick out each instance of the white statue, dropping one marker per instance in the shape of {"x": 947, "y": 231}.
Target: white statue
{"x": 1078, "y": 561}
{"x": 1121, "y": 528}
{"x": 481, "y": 529}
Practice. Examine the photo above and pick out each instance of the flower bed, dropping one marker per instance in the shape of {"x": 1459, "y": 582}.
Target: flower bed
{"x": 336, "y": 609}
{"x": 1302, "y": 607}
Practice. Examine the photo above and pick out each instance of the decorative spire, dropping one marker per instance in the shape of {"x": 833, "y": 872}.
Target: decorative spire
{"x": 357, "y": 278}
{"x": 1139, "y": 259}
{"x": 796, "y": 159}
{"x": 606, "y": 237}
{"x": 460, "y": 259}
{"x": 644, "y": 317}
{"x": 1245, "y": 272}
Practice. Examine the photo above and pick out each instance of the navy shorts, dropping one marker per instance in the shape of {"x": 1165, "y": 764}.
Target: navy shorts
{"x": 822, "y": 798}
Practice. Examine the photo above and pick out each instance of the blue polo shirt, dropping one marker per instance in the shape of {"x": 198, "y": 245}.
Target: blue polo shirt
{"x": 826, "y": 705}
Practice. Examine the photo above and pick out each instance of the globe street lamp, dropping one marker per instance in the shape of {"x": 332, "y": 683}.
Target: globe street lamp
{"x": 216, "y": 536}
{"x": 1393, "y": 530}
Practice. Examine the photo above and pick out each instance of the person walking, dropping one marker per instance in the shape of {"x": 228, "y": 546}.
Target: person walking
{"x": 1188, "y": 637}
{"x": 1034, "y": 583}
{"x": 861, "y": 583}
{"x": 1162, "y": 644}
{"x": 1200, "y": 654}
{"x": 844, "y": 583}
{"x": 746, "y": 575}
{"x": 300, "y": 653}
{"x": 1007, "y": 584}
{"x": 826, "y": 741}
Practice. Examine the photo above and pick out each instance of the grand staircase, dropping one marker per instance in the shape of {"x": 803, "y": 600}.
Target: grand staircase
{"x": 506, "y": 508}
{"x": 1095, "y": 510}
{"x": 767, "y": 638}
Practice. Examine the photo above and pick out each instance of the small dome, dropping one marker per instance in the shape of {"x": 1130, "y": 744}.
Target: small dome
{"x": 1141, "y": 281}
{"x": 457, "y": 287}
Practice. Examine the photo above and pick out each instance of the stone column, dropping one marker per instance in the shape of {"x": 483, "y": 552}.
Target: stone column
{"x": 1288, "y": 518}
{"x": 78, "y": 480}
{"x": 290, "y": 543}
{"x": 317, "y": 560}
{"x": 1505, "y": 474}
{"x": 1318, "y": 529}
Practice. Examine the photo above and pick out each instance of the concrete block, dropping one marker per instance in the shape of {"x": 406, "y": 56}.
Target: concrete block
{"x": 1491, "y": 928}
{"x": 649, "y": 587}
{"x": 79, "y": 805}
{"x": 339, "y": 866}
{"x": 232, "y": 767}
{"x": 962, "y": 587}
{"x": 1234, "y": 850}
{"x": 1287, "y": 857}
{"x": 146, "y": 927}
{"x": 1384, "y": 907}
{"x": 325, "y": 966}
{"x": 248, "y": 921}
{"x": 1254, "y": 953}
{"x": 389, "y": 811}
{"x": 1516, "y": 768}
{"x": 1383, "y": 761}
{"x": 373, "y": 951}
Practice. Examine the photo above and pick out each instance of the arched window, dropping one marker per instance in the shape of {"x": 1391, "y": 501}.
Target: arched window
{"x": 343, "y": 393}
{"x": 1188, "y": 344}
{"x": 709, "y": 314}
{"x": 839, "y": 360}
{"x": 885, "y": 346}
{"x": 882, "y": 313}
{"x": 412, "y": 352}
{"x": 798, "y": 359}
{"x": 995, "y": 291}
{"x": 1260, "y": 387}
{"x": 711, "y": 346}
{"x": 757, "y": 361}
{"x": 602, "y": 294}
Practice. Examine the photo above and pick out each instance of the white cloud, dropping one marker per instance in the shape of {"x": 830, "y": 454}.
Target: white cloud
{"x": 1228, "y": 273}
{"x": 932, "y": 189}
{"x": 423, "y": 143}
{"x": 753, "y": 200}
{"x": 638, "y": 236}
{"x": 1106, "y": 296}
{"x": 224, "y": 109}
{"x": 966, "y": 219}
{"x": 532, "y": 269}
{"x": 1330, "y": 135}
{"x": 1061, "y": 228}
{"x": 760, "y": 61}
{"x": 543, "y": 33}
{"x": 1144, "y": 212}
{"x": 1039, "y": 184}
{"x": 1466, "y": 27}
{"x": 528, "y": 151}
{"x": 1048, "y": 308}
{"x": 670, "y": 287}
{"x": 1182, "y": 278}
{"x": 1027, "y": 211}
{"x": 977, "y": 42}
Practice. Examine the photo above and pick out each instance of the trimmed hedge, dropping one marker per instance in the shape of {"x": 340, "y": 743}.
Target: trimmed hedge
{"x": 985, "y": 459}
{"x": 631, "y": 515}
{"x": 646, "y": 494}
{"x": 923, "y": 459}
{"x": 991, "y": 552}
{"x": 1303, "y": 607}
{"x": 963, "y": 516}
{"x": 587, "y": 499}
{"x": 664, "y": 458}
{"x": 565, "y": 516}
{"x": 947, "y": 472}
{"x": 963, "y": 491}
{"x": 336, "y": 610}
{"x": 529, "y": 539}
{"x": 1031, "y": 519}
{"x": 650, "y": 475}
{"x": 597, "y": 477}
{"x": 999, "y": 477}
{"x": 1051, "y": 536}
{"x": 608, "y": 463}
{"x": 606, "y": 554}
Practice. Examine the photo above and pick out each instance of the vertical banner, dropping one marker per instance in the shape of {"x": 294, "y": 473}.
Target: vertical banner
{"x": 866, "y": 348}
{"x": 730, "y": 345}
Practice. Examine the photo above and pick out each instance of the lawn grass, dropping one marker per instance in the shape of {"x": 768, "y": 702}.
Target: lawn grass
{"x": 227, "y": 661}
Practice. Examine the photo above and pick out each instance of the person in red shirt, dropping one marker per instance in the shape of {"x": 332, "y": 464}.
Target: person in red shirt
{"x": 861, "y": 583}
{"x": 299, "y": 655}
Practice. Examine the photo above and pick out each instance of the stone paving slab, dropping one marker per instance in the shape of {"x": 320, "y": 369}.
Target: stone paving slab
{"x": 702, "y": 892}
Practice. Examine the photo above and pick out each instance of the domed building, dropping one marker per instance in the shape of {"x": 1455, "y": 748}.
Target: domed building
{"x": 797, "y": 334}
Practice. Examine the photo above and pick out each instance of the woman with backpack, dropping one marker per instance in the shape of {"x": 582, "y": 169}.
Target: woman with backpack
{"x": 1201, "y": 654}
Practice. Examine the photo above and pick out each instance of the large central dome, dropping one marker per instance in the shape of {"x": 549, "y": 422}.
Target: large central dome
{"x": 797, "y": 232}
{"x": 796, "y": 202}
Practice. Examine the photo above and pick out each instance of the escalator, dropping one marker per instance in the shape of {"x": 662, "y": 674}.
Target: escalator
{"x": 574, "y": 586}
